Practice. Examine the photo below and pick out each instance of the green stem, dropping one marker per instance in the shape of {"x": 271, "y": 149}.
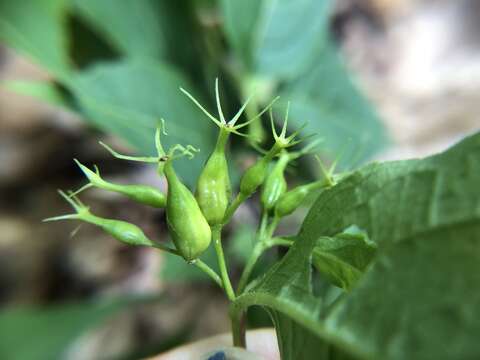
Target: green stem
{"x": 272, "y": 226}
{"x": 217, "y": 242}
{"x": 252, "y": 260}
{"x": 278, "y": 241}
{"x": 233, "y": 207}
{"x": 209, "y": 271}
{"x": 237, "y": 319}
{"x": 198, "y": 263}
{"x": 256, "y": 131}
{"x": 262, "y": 237}
{"x": 263, "y": 225}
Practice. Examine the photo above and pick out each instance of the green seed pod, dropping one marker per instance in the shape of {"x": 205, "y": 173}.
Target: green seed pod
{"x": 275, "y": 184}
{"x": 188, "y": 227}
{"x": 291, "y": 200}
{"x": 213, "y": 186}
{"x": 213, "y": 190}
{"x": 120, "y": 230}
{"x": 256, "y": 174}
{"x": 143, "y": 194}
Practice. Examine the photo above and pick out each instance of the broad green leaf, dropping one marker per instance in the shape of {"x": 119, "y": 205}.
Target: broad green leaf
{"x": 35, "y": 28}
{"x": 129, "y": 98}
{"x": 288, "y": 36}
{"x": 240, "y": 20}
{"x": 28, "y": 333}
{"x": 344, "y": 257}
{"x": 133, "y": 26}
{"x": 419, "y": 298}
{"x": 326, "y": 97}
{"x": 278, "y": 38}
{"x": 41, "y": 90}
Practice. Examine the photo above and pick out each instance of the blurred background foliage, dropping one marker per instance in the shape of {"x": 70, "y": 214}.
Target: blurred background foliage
{"x": 118, "y": 66}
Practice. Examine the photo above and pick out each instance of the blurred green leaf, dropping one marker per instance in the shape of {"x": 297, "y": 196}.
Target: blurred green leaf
{"x": 289, "y": 43}
{"x": 41, "y": 90}
{"x": 326, "y": 97}
{"x": 28, "y": 333}
{"x": 278, "y": 39}
{"x": 132, "y": 27}
{"x": 240, "y": 20}
{"x": 128, "y": 99}
{"x": 35, "y": 28}
{"x": 288, "y": 36}
{"x": 424, "y": 215}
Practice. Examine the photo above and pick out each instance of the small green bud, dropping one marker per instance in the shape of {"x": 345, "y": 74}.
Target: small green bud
{"x": 275, "y": 184}
{"x": 254, "y": 177}
{"x": 143, "y": 194}
{"x": 256, "y": 174}
{"x": 123, "y": 231}
{"x": 291, "y": 200}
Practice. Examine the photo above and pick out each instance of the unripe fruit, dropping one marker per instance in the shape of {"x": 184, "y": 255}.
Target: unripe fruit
{"x": 121, "y": 230}
{"x": 275, "y": 184}
{"x": 254, "y": 177}
{"x": 292, "y": 199}
{"x": 188, "y": 227}
{"x": 143, "y": 194}
{"x": 213, "y": 186}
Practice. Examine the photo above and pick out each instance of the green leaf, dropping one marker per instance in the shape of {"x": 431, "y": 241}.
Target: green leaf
{"x": 35, "y": 28}
{"x": 326, "y": 97}
{"x": 289, "y": 35}
{"x": 240, "y": 19}
{"x": 41, "y": 90}
{"x": 46, "y": 333}
{"x": 129, "y": 98}
{"x": 344, "y": 257}
{"x": 133, "y": 28}
{"x": 278, "y": 38}
{"x": 420, "y": 297}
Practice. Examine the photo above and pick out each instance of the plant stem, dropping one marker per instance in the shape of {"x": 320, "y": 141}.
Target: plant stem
{"x": 217, "y": 242}
{"x": 263, "y": 225}
{"x": 233, "y": 207}
{"x": 198, "y": 263}
{"x": 209, "y": 271}
{"x": 237, "y": 319}
{"x": 166, "y": 249}
{"x": 278, "y": 241}
{"x": 271, "y": 228}
{"x": 252, "y": 260}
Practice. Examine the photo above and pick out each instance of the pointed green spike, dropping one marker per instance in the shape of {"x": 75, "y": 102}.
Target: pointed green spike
{"x": 219, "y": 105}
{"x": 240, "y": 112}
{"x": 146, "y": 159}
{"x": 285, "y": 123}
{"x": 195, "y": 101}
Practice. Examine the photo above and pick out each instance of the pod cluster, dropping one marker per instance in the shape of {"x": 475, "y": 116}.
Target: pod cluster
{"x": 192, "y": 216}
